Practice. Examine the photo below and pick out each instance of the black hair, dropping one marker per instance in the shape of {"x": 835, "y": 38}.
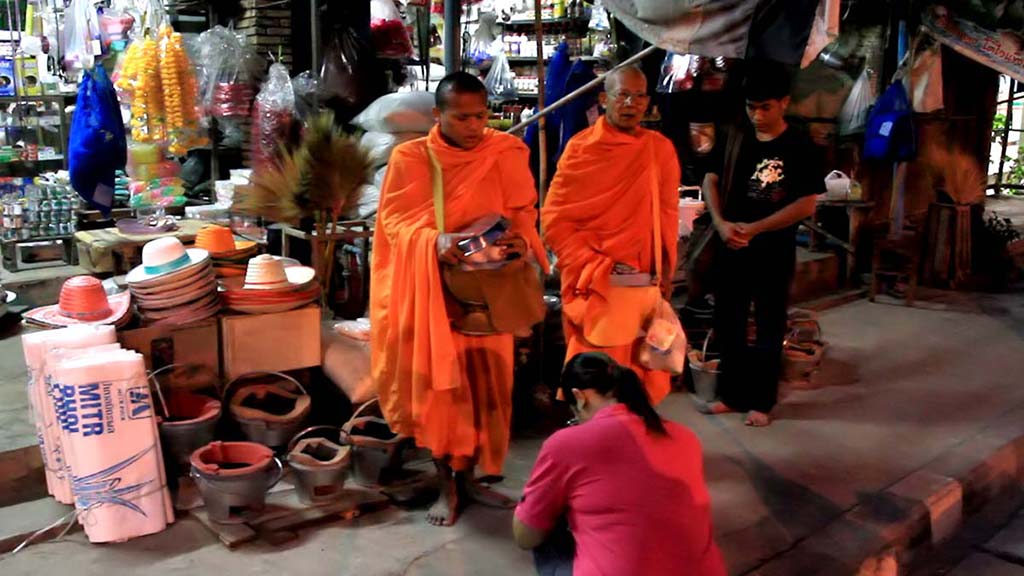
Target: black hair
{"x": 458, "y": 83}
{"x": 766, "y": 80}
{"x": 599, "y": 372}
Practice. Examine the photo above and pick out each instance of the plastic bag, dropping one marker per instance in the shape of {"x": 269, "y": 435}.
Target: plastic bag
{"x": 500, "y": 82}
{"x": 338, "y": 74}
{"x": 390, "y": 36}
{"x": 889, "y": 134}
{"x": 400, "y": 112}
{"x": 599, "y": 17}
{"x": 304, "y": 87}
{"x": 274, "y": 115}
{"x": 379, "y": 145}
{"x": 229, "y": 67}
{"x": 97, "y": 146}
{"x": 81, "y": 37}
{"x": 853, "y": 116}
{"x": 664, "y": 345}
{"x": 678, "y": 72}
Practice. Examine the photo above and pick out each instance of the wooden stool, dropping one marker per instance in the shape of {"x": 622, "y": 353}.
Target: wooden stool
{"x": 896, "y": 257}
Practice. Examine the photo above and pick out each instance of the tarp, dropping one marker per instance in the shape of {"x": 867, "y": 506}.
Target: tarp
{"x": 775, "y": 29}
{"x": 991, "y": 37}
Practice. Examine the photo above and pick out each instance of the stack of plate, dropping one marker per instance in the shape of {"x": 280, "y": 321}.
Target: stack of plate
{"x": 270, "y": 285}
{"x": 180, "y": 292}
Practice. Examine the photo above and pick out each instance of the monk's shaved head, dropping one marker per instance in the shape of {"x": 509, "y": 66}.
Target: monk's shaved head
{"x": 614, "y": 78}
{"x": 458, "y": 83}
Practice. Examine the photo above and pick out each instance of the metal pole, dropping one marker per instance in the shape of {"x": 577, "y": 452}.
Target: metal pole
{"x": 542, "y": 138}
{"x": 899, "y": 171}
{"x": 582, "y": 90}
{"x": 452, "y": 26}
{"x": 1008, "y": 124}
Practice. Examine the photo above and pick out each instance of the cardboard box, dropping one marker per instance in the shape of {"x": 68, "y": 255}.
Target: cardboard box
{"x": 270, "y": 342}
{"x": 27, "y": 73}
{"x": 6, "y": 77}
{"x": 197, "y": 343}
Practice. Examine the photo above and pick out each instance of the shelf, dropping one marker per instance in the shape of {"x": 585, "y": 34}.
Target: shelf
{"x": 57, "y": 158}
{"x": 532, "y": 22}
{"x": 59, "y": 98}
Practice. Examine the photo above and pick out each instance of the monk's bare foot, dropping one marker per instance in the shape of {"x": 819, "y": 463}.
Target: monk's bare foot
{"x": 486, "y": 496}
{"x": 757, "y": 419}
{"x": 716, "y": 407}
{"x": 445, "y": 511}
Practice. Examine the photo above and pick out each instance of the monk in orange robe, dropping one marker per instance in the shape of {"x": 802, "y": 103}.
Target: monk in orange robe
{"x": 451, "y": 392}
{"x": 598, "y": 217}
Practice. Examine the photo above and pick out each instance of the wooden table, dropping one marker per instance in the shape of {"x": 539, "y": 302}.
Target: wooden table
{"x": 109, "y": 251}
{"x": 856, "y": 213}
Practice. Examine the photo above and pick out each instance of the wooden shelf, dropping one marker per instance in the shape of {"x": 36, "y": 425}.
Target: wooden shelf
{"x": 532, "y": 22}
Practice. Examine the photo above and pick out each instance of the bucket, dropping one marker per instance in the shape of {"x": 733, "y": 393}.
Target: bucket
{"x": 704, "y": 371}
{"x": 188, "y": 422}
{"x": 233, "y": 478}
{"x": 269, "y": 414}
{"x": 376, "y": 449}
{"x": 803, "y": 349}
{"x": 689, "y": 210}
{"x": 320, "y": 465}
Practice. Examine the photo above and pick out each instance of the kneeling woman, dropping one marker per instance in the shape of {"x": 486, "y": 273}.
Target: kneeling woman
{"x": 630, "y": 484}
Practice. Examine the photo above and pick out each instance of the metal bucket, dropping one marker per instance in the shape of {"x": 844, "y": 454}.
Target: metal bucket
{"x": 320, "y": 465}
{"x": 188, "y": 422}
{"x": 376, "y": 449}
{"x": 274, "y": 433}
{"x": 233, "y": 478}
{"x": 802, "y": 350}
{"x": 704, "y": 371}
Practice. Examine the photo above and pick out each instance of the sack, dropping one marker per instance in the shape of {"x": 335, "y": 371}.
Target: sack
{"x": 97, "y": 146}
{"x": 617, "y": 318}
{"x": 664, "y": 347}
{"x": 500, "y": 81}
{"x": 890, "y": 128}
{"x": 399, "y": 112}
{"x": 379, "y": 145}
{"x": 853, "y": 116}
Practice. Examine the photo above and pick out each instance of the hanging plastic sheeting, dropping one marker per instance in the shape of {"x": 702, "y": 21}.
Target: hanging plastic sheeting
{"x": 853, "y": 116}
{"x": 730, "y": 28}
{"x": 824, "y": 30}
{"x": 97, "y": 147}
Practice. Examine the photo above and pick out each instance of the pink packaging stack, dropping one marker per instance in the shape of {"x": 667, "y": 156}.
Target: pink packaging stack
{"x": 108, "y": 421}
{"x": 36, "y": 346}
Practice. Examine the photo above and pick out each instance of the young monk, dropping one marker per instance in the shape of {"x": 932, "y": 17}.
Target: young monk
{"x": 598, "y": 217}
{"x": 451, "y": 392}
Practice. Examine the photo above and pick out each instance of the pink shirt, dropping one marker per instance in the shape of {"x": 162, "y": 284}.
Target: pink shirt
{"x": 636, "y": 503}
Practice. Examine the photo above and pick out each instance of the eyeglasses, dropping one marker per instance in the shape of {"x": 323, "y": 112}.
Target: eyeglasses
{"x": 627, "y": 98}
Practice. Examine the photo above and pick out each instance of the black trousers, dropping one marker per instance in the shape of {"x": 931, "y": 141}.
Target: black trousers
{"x": 760, "y": 274}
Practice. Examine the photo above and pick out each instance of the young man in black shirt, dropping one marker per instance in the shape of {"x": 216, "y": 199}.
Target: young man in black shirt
{"x": 766, "y": 187}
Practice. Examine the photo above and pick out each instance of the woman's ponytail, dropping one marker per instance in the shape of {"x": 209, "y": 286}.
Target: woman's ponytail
{"x": 630, "y": 391}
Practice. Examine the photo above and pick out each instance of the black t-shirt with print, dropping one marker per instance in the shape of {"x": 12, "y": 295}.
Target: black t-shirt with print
{"x": 772, "y": 175}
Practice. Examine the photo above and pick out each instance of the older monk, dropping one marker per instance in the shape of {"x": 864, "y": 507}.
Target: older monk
{"x": 450, "y": 391}
{"x": 611, "y": 217}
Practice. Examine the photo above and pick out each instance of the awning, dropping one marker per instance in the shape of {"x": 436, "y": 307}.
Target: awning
{"x": 999, "y": 47}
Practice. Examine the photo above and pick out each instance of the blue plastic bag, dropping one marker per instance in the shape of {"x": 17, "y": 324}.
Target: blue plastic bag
{"x": 889, "y": 134}
{"x": 97, "y": 147}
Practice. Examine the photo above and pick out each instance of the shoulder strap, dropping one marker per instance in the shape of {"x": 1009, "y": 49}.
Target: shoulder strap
{"x": 656, "y": 212}
{"x": 437, "y": 183}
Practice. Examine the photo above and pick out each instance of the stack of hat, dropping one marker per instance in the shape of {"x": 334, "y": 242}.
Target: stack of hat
{"x": 174, "y": 286}
{"x": 82, "y": 301}
{"x": 270, "y": 285}
{"x": 229, "y": 255}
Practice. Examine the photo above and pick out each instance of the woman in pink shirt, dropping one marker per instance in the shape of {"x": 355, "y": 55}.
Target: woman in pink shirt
{"x": 630, "y": 484}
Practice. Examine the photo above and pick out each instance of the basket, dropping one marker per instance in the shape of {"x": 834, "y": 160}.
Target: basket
{"x": 704, "y": 371}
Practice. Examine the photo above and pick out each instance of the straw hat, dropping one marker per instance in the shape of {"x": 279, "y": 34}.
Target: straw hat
{"x": 266, "y": 272}
{"x": 83, "y": 301}
{"x": 220, "y": 241}
{"x": 165, "y": 258}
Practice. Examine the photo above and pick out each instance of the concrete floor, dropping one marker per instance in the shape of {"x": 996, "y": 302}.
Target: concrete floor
{"x": 901, "y": 387}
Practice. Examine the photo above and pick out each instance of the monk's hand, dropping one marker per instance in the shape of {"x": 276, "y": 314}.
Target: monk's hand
{"x": 733, "y": 235}
{"x": 448, "y": 251}
{"x": 513, "y": 246}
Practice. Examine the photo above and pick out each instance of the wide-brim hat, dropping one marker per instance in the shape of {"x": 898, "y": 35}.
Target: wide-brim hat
{"x": 221, "y": 242}
{"x": 164, "y": 260}
{"x": 83, "y": 301}
{"x": 267, "y": 272}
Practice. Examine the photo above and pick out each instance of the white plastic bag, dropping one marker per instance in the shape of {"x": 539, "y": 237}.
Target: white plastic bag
{"x": 81, "y": 37}
{"x": 599, "y": 17}
{"x": 500, "y": 81}
{"x": 853, "y": 116}
{"x": 400, "y": 112}
{"x": 379, "y": 145}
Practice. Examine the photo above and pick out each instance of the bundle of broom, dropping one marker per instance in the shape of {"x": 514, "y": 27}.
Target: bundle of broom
{"x": 316, "y": 180}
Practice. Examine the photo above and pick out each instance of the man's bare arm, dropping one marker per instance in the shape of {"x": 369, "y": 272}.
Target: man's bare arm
{"x": 733, "y": 236}
{"x": 793, "y": 214}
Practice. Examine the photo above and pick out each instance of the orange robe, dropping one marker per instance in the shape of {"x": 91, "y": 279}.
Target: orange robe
{"x": 451, "y": 392}
{"x": 598, "y": 213}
